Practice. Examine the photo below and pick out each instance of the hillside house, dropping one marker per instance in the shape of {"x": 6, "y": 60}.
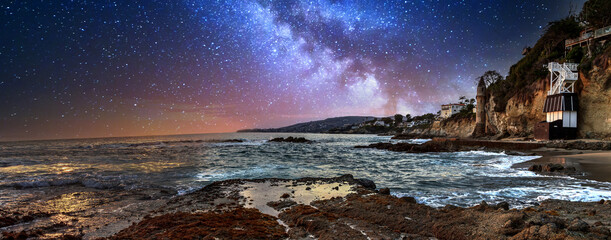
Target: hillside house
{"x": 380, "y": 123}
{"x": 447, "y": 110}
{"x": 587, "y": 36}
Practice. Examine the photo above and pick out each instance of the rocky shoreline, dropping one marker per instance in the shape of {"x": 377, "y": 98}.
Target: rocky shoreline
{"x": 338, "y": 208}
{"x": 453, "y": 145}
{"x": 312, "y": 208}
{"x": 348, "y": 208}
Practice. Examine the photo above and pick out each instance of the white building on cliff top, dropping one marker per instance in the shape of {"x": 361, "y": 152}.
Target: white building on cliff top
{"x": 447, "y": 110}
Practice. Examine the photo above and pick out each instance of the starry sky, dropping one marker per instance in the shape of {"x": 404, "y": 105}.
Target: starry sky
{"x": 75, "y": 69}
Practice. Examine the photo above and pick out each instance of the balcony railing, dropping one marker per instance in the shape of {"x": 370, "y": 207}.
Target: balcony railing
{"x": 601, "y": 32}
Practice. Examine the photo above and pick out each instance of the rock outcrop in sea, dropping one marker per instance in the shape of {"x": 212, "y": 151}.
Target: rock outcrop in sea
{"x": 291, "y": 140}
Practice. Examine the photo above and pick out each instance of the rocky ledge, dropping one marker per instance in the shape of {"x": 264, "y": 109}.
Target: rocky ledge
{"x": 453, "y": 145}
{"x": 347, "y": 208}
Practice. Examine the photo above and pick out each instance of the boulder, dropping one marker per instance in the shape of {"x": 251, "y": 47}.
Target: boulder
{"x": 535, "y": 168}
{"x": 578, "y": 225}
{"x": 552, "y": 167}
{"x": 366, "y": 183}
{"x": 409, "y": 199}
{"x": 384, "y": 191}
{"x": 502, "y": 205}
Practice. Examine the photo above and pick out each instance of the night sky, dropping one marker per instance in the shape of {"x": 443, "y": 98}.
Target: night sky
{"x": 71, "y": 69}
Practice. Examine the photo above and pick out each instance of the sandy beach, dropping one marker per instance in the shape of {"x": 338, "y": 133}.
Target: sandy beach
{"x": 592, "y": 164}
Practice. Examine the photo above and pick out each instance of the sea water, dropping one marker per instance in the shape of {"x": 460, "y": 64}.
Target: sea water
{"x": 186, "y": 163}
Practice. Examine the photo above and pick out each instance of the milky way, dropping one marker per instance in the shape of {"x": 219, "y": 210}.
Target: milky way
{"x": 104, "y": 68}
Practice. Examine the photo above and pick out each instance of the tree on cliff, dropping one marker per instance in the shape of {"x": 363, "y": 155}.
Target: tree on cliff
{"x": 408, "y": 117}
{"x": 597, "y": 13}
{"x": 387, "y": 120}
{"x": 398, "y": 119}
{"x": 490, "y": 77}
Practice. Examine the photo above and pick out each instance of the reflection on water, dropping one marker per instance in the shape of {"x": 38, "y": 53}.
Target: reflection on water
{"x": 73, "y": 202}
{"x": 187, "y": 163}
{"x": 259, "y": 194}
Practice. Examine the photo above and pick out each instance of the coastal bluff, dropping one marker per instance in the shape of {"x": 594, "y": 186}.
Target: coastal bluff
{"x": 523, "y": 110}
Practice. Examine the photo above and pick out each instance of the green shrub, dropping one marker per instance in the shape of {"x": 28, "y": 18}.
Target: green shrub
{"x": 575, "y": 55}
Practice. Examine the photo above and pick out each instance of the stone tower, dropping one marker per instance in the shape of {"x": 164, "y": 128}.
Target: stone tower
{"x": 480, "y": 112}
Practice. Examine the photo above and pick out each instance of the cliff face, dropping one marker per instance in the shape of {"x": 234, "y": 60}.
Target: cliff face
{"x": 594, "y": 117}
{"x": 523, "y": 112}
{"x": 524, "y": 109}
{"x": 461, "y": 128}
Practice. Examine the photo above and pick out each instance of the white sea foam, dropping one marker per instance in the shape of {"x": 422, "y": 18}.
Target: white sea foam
{"x": 216, "y": 175}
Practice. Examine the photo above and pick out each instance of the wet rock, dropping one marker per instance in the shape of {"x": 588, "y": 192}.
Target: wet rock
{"x": 544, "y": 218}
{"x": 239, "y": 223}
{"x": 601, "y": 230}
{"x": 502, "y": 205}
{"x": 509, "y": 224}
{"x": 552, "y": 167}
{"x": 7, "y": 221}
{"x": 449, "y": 207}
{"x": 531, "y": 232}
{"x": 581, "y": 145}
{"x": 233, "y": 141}
{"x": 279, "y": 205}
{"x": 384, "y": 191}
{"x": 17, "y": 235}
{"x": 366, "y": 183}
{"x": 535, "y": 168}
{"x": 452, "y": 145}
{"x": 513, "y": 223}
{"x": 548, "y": 230}
{"x": 292, "y": 140}
{"x": 285, "y": 195}
{"x": 409, "y": 199}
{"x": 578, "y": 225}
{"x": 511, "y": 227}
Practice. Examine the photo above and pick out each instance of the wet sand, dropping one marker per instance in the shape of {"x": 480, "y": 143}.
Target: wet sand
{"x": 590, "y": 164}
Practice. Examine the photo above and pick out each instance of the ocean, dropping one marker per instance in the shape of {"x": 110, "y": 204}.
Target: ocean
{"x": 182, "y": 164}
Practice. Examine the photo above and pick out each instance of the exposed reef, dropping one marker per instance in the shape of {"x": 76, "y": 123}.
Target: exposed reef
{"x": 291, "y": 140}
